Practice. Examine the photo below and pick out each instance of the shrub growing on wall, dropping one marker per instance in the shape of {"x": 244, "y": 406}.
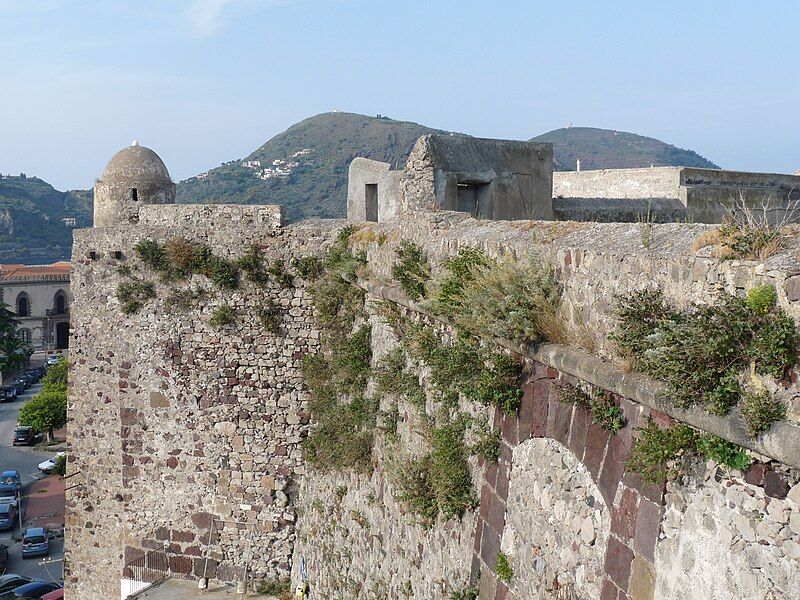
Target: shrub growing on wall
{"x": 702, "y": 352}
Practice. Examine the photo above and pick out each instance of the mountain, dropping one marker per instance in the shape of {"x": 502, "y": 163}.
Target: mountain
{"x": 31, "y": 213}
{"x": 305, "y": 167}
{"x": 608, "y": 149}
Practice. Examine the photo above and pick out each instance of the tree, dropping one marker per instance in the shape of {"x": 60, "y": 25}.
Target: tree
{"x": 56, "y": 375}
{"x": 46, "y": 411}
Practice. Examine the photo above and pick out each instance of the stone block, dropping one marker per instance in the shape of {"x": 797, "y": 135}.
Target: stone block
{"x": 578, "y": 431}
{"x": 775, "y": 484}
{"x": 533, "y": 410}
{"x": 643, "y": 580}
{"x": 490, "y": 546}
{"x": 596, "y": 442}
{"x": 755, "y": 474}
{"x": 559, "y": 418}
{"x": 618, "y": 562}
{"x": 613, "y": 468}
{"x": 510, "y": 429}
{"x": 608, "y": 591}
{"x": 648, "y": 526}
{"x": 623, "y": 515}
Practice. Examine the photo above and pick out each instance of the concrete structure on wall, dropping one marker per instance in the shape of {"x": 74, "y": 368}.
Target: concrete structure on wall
{"x": 135, "y": 176}
{"x": 40, "y": 297}
{"x": 373, "y": 191}
{"x": 701, "y": 195}
{"x": 489, "y": 179}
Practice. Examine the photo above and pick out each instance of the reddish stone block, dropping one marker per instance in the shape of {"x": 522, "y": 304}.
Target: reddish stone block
{"x": 490, "y": 546}
{"x": 552, "y": 373}
{"x": 652, "y": 491}
{"x": 501, "y": 488}
{"x": 648, "y": 526}
{"x": 182, "y": 536}
{"x": 128, "y": 416}
{"x": 533, "y": 411}
{"x": 596, "y": 442}
{"x": 792, "y": 287}
{"x": 502, "y": 591}
{"x": 478, "y": 533}
{"x": 205, "y": 567}
{"x": 490, "y": 475}
{"x": 618, "y": 562}
{"x": 559, "y": 418}
{"x": 202, "y": 520}
{"x": 509, "y": 430}
{"x": 609, "y": 591}
{"x": 495, "y": 513}
{"x": 578, "y": 431}
{"x": 623, "y": 516}
{"x": 162, "y": 533}
{"x": 661, "y": 419}
{"x": 755, "y": 474}
{"x": 613, "y": 468}
{"x": 622, "y": 596}
{"x": 775, "y": 484}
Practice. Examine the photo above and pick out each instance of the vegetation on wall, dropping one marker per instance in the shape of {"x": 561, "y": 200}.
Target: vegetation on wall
{"x": 411, "y": 271}
{"x": 702, "y": 352}
{"x": 665, "y": 453}
{"x": 604, "y": 412}
{"x": 503, "y": 568}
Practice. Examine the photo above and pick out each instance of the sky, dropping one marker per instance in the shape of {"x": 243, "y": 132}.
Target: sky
{"x": 203, "y": 82}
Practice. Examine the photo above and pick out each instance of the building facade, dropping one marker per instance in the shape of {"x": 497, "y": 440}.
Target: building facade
{"x": 40, "y": 297}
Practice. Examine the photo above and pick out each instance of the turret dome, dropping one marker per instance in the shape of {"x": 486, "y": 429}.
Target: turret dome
{"x": 136, "y": 163}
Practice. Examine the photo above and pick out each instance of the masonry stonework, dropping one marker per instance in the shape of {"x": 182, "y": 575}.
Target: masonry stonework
{"x": 177, "y": 426}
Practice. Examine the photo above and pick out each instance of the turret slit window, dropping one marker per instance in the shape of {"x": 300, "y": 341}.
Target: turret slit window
{"x": 135, "y": 195}
{"x": 23, "y": 305}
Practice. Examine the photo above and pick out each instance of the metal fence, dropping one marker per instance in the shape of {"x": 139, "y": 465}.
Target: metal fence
{"x": 145, "y": 572}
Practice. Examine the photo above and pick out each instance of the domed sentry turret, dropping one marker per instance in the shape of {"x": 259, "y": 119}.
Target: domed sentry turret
{"x": 134, "y": 176}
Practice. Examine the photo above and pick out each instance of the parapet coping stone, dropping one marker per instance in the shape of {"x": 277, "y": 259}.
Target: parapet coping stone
{"x": 781, "y": 442}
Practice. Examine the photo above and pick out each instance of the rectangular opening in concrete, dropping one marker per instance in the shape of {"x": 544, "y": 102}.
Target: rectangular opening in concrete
{"x": 371, "y": 199}
{"x": 473, "y": 198}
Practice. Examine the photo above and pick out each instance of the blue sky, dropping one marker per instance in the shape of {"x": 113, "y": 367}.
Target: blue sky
{"x": 207, "y": 81}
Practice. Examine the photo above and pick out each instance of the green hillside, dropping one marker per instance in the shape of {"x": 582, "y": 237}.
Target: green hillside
{"x": 317, "y": 185}
{"x": 607, "y": 149}
{"x": 31, "y": 230}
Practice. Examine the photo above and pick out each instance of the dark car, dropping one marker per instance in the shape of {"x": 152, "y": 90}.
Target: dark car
{"x": 8, "y": 514}
{"x": 24, "y": 436}
{"x": 3, "y": 559}
{"x": 6, "y": 395}
{"x": 34, "y": 589}
{"x": 10, "y": 582}
{"x": 18, "y": 387}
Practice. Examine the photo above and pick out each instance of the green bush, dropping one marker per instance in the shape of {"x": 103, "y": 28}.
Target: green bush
{"x": 308, "y": 267}
{"x": 701, "y": 352}
{"x": 152, "y": 254}
{"x": 662, "y": 453}
{"x": 278, "y": 271}
{"x": 411, "y": 270}
{"x": 60, "y": 465}
{"x": 503, "y": 568}
{"x": 133, "y": 294}
{"x": 760, "y": 410}
{"x": 46, "y": 411}
{"x": 517, "y": 301}
{"x": 458, "y": 271}
{"x": 269, "y": 315}
{"x": 222, "y": 316}
{"x": 723, "y": 452}
{"x": 274, "y": 587}
{"x": 252, "y": 264}
{"x": 487, "y": 444}
{"x": 467, "y": 593}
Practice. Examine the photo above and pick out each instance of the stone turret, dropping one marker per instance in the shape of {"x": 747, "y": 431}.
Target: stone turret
{"x": 134, "y": 176}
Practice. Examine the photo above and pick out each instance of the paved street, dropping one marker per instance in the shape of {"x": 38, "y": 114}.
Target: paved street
{"x": 24, "y": 460}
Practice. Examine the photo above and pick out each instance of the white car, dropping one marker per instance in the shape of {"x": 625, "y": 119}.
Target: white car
{"x": 53, "y": 360}
{"x": 50, "y": 464}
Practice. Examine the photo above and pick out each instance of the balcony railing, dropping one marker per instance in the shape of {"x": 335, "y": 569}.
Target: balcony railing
{"x": 145, "y": 572}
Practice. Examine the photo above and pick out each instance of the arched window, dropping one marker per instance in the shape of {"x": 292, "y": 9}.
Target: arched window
{"x": 25, "y": 335}
{"x": 23, "y": 305}
{"x": 60, "y": 303}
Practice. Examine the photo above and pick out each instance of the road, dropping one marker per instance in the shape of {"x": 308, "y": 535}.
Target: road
{"x": 25, "y": 460}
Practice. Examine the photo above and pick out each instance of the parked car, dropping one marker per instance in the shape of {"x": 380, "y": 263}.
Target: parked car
{"x": 10, "y": 582}
{"x": 54, "y": 595}
{"x": 35, "y": 590}
{"x": 53, "y": 360}
{"x": 6, "y": 394}
{"x": 8, "y": 514}
{"x": 8, "y": 495}
{"x": 35, "y": 542}
{"x": 3, "y": 558}
{"x": 24, "y": 436}
{"x": 11, "y": 478}
{"x": 48, "y": 465}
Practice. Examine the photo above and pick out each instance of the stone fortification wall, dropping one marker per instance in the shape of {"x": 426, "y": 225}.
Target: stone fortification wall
{"x": 173, "y": 422}
{"x": 653, "y": 182}
{"x": 706, "y": 194}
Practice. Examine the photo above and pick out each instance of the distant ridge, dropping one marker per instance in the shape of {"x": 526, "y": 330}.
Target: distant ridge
{"x": 609, "y": 149}
{"x": 322, "y": 146}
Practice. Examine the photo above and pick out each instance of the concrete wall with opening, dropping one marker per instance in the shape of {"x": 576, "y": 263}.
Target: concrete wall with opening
{"x": 373, "y": 191}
